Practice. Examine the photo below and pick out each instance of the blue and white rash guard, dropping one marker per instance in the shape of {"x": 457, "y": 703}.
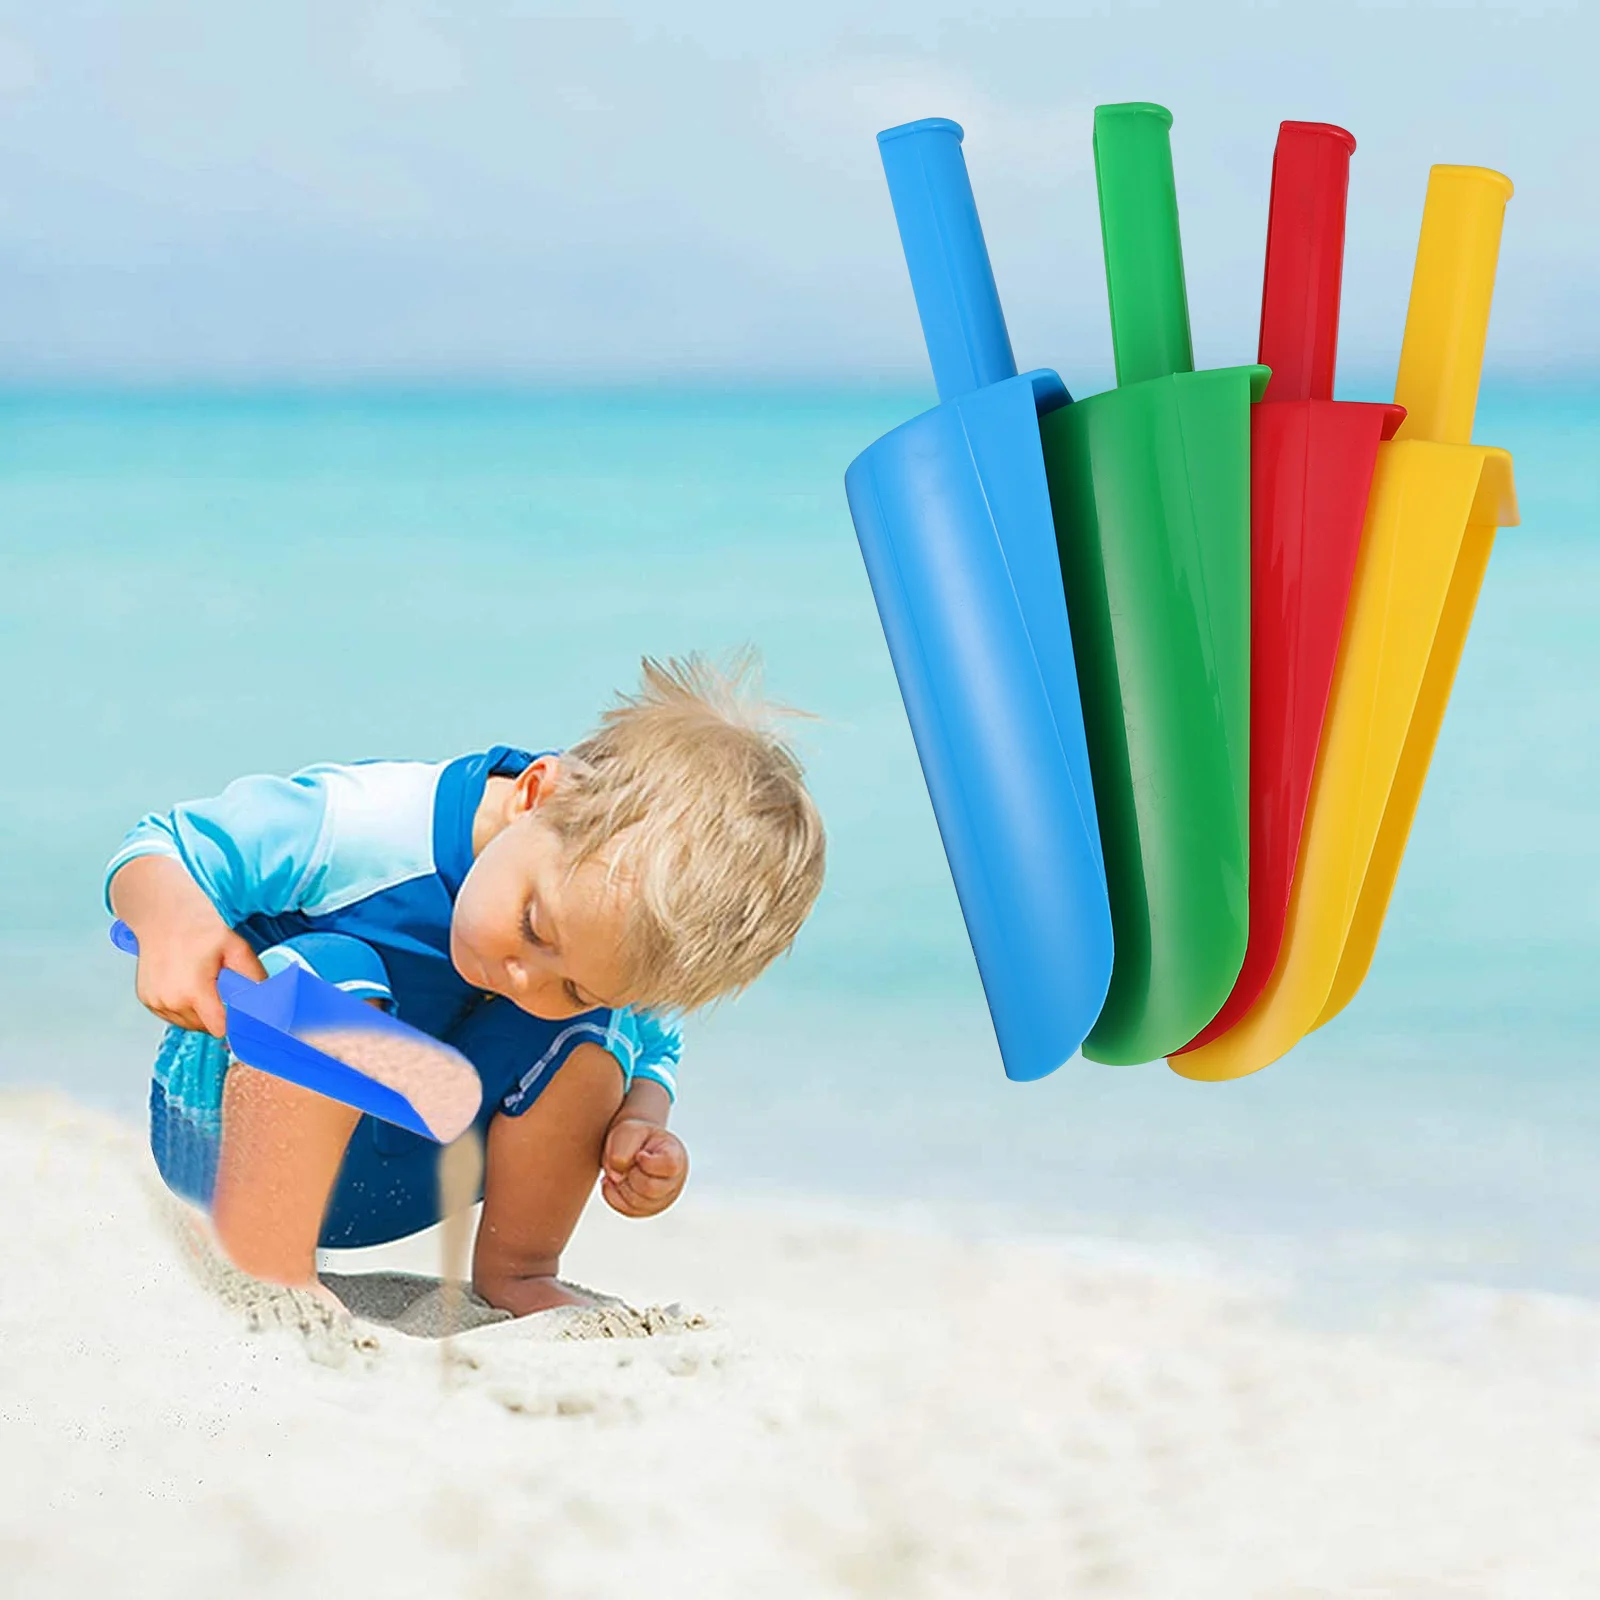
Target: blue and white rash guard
{"x": 376, "y": 851}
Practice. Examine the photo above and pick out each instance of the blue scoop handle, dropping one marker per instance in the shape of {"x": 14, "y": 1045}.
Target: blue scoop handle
{"x": 962, "y": 323}
{"x": 230, "y": 984}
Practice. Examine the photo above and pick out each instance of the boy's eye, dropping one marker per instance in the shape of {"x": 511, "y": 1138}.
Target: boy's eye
{"x": 573, "y": 995}
{"x": 531, "y": 933}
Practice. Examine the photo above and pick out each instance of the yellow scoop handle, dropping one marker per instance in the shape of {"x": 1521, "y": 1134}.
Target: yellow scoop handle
{"x": 1447, "y": 322}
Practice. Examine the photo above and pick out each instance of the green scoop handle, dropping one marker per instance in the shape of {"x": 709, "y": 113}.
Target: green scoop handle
{"x": 1144, "y": 255}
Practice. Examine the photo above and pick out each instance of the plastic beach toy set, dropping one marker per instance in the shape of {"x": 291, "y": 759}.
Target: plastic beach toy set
{"x": 1176, "y": 656}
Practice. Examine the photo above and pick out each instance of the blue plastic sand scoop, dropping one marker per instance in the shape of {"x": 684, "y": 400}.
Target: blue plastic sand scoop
{"x": 953, "y": 514}
{"x": 268, "y": 1024}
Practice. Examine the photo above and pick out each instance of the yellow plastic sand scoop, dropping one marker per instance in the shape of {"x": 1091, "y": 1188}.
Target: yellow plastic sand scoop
{"x": 1436, "y": 501}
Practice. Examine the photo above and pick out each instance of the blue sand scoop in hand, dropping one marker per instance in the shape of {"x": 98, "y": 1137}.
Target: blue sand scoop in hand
{"x": 302, "y": 1029}
{"x": 952, "y": 511}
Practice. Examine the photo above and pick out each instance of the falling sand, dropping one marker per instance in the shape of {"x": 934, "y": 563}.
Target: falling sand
{"x": 460, "y": 1181}
{"x": 444, "y": 1090}
{"x": 439, "y": 1082}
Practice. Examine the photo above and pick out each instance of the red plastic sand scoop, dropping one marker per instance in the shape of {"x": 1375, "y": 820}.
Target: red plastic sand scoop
{"x": 1311, "y": 462}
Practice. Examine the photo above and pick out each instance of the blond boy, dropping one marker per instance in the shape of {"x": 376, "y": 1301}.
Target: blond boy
{"x": 548, "y": 915}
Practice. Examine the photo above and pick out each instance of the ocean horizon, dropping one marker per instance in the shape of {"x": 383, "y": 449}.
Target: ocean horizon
{"x": 200, "y": 582}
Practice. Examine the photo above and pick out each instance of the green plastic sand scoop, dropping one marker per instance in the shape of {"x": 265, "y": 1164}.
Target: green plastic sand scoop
{"x": 1150, "y": 487}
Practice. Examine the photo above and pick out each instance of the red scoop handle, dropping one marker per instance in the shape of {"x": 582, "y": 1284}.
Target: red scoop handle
{"x": 1305, "y": 259}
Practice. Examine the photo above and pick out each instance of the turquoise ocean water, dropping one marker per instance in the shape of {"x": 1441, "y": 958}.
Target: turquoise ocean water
{"x": 195, "y": 586}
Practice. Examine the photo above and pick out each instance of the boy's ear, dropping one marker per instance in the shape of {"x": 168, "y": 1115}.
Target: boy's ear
{"x": 536, "y": 782}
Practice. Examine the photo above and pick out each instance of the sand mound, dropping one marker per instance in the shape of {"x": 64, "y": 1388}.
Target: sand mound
{"x": 422, "y": 1306}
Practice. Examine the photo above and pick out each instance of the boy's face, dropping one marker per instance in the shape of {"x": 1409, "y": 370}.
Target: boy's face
{"x": 527, "y": 928}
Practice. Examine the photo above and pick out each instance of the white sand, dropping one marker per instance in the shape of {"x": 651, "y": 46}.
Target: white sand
{"x": 871, "y": 1411}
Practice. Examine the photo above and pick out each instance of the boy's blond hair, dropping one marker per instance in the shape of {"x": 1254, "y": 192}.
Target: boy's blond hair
{"x": 694, "y": 802}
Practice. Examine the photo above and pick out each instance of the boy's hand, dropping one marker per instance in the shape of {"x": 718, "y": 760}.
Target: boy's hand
{"x": 178, "y": 976}
{"x": 183, "y": 943}
{"x": 643, "y": 1167}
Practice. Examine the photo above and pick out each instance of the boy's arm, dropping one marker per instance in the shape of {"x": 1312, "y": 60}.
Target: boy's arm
{"x": 257, "y": 846}
{"x": 539, "y": 1173}
{"x": 183, "y": 942}
{"x": 183, "y": 879}
{"x": 645, "y": 1167}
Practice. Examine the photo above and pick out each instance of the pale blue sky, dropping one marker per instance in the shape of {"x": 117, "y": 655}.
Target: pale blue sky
{"x": 344, "y": 190}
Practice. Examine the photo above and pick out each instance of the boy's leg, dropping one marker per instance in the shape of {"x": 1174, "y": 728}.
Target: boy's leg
{"x": 259, "y": 1154}
{"x": 541, "y": 1169}
{"x": 281, "y": 1150}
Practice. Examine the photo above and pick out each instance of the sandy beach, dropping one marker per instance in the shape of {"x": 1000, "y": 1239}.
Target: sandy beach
{"x": 802, "y": 1403}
